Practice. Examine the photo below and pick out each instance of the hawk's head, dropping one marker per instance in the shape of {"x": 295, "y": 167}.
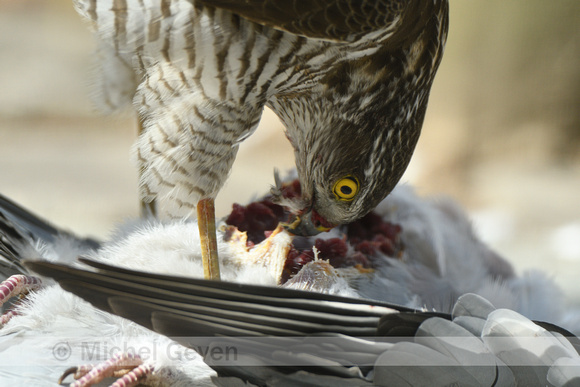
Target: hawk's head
{"x": 354, "y": 132}
{"x": 347, "y": 167}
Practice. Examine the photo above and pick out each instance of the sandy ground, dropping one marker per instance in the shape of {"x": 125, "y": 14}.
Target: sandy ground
{"x": 64, "y": 161}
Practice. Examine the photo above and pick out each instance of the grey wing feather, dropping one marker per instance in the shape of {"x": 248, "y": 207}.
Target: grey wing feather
{"x": 11, "y": 242}
{"x": 299, "y": 311}
{"x": 26, "y": 221}
{"x": 20, "y": 231}
{"x": 443, "y": 349}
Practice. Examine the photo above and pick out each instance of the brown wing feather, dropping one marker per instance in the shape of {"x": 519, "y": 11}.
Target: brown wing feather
{"x": 343, "y": 20}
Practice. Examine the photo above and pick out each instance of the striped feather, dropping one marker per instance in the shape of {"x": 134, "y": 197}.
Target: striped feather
{"x": 337, "y": 73}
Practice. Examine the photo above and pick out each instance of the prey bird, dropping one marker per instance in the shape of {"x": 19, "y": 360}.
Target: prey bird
{"x": 284, "y": 337}
{"x": 350, "y": 81}
{"x": 351, "y": 328}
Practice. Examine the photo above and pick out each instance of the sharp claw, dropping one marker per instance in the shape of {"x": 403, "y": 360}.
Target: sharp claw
{"x": 77, "y": 372}
{"x": 127, "y": 367}
{"x": 67, "y": 372}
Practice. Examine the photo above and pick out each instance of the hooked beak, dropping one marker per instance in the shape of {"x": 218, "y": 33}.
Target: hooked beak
{"x": 304, "y": 225}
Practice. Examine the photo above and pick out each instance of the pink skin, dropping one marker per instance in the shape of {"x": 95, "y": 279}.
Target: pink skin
{"x": 134, "y": 377}
{"x": 126, "y": 364}
{"x": 7, "y": 317}
{"x": 17, "y": 285}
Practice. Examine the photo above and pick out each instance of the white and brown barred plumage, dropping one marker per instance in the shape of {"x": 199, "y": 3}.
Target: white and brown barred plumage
{"x": 349, "y": 79}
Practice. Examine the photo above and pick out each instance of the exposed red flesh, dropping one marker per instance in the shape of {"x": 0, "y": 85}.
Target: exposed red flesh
{"x": 368, "y": 235}
{"x": 256, "y": 219}
{"x": 291, "y": 189}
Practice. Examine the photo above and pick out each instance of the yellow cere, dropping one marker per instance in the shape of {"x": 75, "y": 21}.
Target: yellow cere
{"x": 346, "y": 188}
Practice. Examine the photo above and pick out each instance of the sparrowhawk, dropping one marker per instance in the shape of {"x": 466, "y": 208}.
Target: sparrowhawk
{"x": 349, "y": 79}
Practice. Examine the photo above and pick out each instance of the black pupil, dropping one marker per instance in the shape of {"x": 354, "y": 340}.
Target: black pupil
{"x": 346, "y": 190}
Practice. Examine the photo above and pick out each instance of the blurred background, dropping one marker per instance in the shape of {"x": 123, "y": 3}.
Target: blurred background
{"x": 502, "y": 134}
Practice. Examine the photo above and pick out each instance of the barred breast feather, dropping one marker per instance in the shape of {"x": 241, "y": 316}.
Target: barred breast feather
{"x": 200, "y": 72}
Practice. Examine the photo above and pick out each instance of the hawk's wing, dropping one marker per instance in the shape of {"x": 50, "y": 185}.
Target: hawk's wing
{"x": 339, "y": 20}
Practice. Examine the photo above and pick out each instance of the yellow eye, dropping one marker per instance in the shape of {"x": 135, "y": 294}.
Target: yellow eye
{"x": 346, "y": 188}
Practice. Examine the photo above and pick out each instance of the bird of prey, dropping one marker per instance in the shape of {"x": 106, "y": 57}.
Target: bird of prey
{"x": 349, "y": 79}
